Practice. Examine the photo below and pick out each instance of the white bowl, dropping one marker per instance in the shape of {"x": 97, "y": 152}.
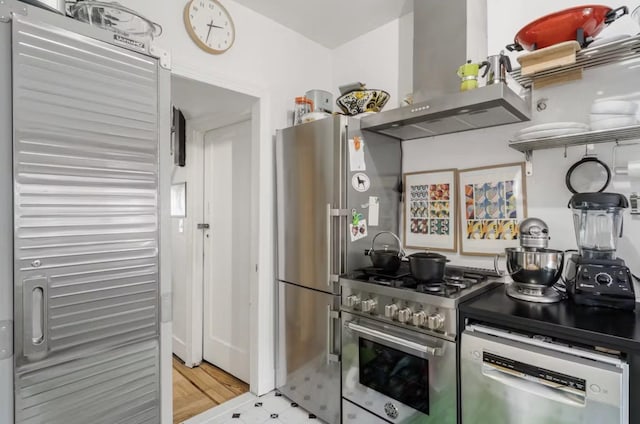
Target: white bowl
{"x": 549, "y": 133}
{"x": 618, "y": 122}
{"x": 552, "y": 126}
{"x": 616, "y": 107}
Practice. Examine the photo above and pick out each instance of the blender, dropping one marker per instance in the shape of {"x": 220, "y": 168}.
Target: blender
{"x": 595, "y": 276}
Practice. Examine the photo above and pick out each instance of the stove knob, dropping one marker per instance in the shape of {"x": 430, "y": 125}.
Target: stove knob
{"x": 404, "y": 315}
{"x": 420, "y": 318}
{"x": 352, "y": 301}
{"x": 390, "y": 311}
{"x": 435, "y": 322}
{"x": 604, "y": 279}
{"x": 369, "y": 306}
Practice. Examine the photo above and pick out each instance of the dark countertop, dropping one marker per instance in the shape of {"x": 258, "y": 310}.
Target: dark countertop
{"x": 619, "y": 330}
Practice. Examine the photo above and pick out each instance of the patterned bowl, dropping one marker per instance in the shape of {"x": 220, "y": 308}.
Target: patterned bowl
{"x": 361, "y": 101}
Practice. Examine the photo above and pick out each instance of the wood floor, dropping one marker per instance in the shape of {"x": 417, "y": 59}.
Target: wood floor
{"x": 196, "y": 390}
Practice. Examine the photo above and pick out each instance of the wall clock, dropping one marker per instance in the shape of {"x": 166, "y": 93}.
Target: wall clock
{"x": 209, "y": 25}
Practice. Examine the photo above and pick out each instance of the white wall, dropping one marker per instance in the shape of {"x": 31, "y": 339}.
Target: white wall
{"x": 547, "y": 194}
{"x": 275, "y": 64}
{"x": 382, "y": 59}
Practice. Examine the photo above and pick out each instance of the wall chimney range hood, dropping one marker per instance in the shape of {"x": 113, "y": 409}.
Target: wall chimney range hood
{"x": 446, "y": 34}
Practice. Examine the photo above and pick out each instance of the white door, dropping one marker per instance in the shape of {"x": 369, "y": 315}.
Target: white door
{"x": 227, "y": 193}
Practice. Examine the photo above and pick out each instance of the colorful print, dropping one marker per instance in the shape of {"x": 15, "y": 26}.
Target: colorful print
{"x": 430, "y": 209}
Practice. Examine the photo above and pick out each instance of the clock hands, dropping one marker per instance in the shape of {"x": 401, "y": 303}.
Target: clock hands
{"x": 211, "y": 26}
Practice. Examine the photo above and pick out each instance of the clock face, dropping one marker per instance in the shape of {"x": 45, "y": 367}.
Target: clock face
{"x": 209, "y": 25}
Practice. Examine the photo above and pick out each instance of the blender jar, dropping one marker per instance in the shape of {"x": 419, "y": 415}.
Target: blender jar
{"x": 597, "y": 219}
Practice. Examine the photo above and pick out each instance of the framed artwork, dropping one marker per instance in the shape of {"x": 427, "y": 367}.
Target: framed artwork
{"x": 492, "y": 204}
{"x": 179, "y": 200}
{"x": 430, "y": 210}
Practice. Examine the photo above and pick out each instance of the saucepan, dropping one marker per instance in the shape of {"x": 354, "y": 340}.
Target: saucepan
{"x": 539, "y": 267}
{"x": 386, "y": 259}
{"x": 582, "y": 23}
{"x": 427, "y": 266}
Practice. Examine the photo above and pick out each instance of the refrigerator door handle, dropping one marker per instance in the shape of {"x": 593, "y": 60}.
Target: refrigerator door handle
{"x": 332, "y": 356}
{"x": 34, "y": 330}
{"x": 332, "y": 277}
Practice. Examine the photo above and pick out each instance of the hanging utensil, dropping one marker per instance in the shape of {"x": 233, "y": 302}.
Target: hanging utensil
{"x": 588, "y": 175}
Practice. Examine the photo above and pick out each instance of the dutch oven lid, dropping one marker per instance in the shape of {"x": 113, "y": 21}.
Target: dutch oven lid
{"x": 598, "y": 201}
{"x": 429, "y": 255}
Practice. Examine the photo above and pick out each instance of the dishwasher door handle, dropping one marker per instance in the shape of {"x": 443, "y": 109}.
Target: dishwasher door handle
{"x": 558, "y": 394}
{"x": 395, "y": 340}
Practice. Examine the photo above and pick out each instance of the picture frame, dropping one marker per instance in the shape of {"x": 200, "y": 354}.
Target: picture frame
{"x": 430, "y": 210}
{"x": 493, "y": 201}
{"x": 179, "y": 200}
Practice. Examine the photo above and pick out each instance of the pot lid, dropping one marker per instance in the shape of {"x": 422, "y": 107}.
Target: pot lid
{"x": 385, "y": 250}
{"x": 428, "y": 255}
{"x": 598, "y": 201}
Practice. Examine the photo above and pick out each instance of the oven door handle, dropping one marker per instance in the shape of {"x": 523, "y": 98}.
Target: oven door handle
{"x": 408, "y": 344}
{"x": 558, "y": 394}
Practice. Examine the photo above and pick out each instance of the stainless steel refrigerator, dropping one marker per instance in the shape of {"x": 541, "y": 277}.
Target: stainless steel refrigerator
{"x": 81, "y": 127}
{"x": 332, "y": 179}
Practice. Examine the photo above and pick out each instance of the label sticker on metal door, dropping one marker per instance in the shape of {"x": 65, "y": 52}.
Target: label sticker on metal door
{"x": 356, "y": 154}
{"x": 360, "y": 182}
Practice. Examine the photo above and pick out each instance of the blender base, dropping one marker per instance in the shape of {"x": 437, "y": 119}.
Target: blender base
{"x": 537, "y": 295}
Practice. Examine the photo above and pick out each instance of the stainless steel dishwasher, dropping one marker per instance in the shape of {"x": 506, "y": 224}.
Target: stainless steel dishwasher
{"x": 514, "y": 378}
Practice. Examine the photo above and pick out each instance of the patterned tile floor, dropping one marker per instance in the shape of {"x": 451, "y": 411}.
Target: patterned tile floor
{"x": 272, "y": 408}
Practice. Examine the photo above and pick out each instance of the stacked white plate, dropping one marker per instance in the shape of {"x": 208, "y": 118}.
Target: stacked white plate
{"x": 552, "y": 129}
{"x": 609, "y": 114}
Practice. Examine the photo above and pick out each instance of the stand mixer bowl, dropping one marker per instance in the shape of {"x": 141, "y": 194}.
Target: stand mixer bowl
{"x": 534, "y": 267}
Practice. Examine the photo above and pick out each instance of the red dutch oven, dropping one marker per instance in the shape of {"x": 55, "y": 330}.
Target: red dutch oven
{"x": 580, "y": 23}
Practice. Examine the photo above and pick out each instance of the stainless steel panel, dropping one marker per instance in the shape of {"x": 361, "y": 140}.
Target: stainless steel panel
{"x": 383, "y": 158}
{"x": 115, "y": 386}
{"x": 85, "y": 165}
{"x": 492, "y": 395}
{"x": 6, "y": 229}
{"x": 310, "y": 181}
{"x": 310, "y": 376}
{"x": 441, "y": 355}
{"x": 353, "y": 414}
{"x": 484, "y": 107}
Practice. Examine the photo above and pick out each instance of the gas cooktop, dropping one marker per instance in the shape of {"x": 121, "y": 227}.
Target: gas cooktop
{"x": 424, "y": 306}
{"x": 456, "y": 282}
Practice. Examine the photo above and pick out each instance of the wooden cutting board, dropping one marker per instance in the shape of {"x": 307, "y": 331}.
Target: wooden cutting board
{"x": 556, "y": 56}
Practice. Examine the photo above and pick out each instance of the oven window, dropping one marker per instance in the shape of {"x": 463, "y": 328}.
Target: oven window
{"x": 395, "y": 374}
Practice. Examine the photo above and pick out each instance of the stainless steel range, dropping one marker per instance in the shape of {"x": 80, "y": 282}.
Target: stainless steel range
{"x": 398, "y": 345}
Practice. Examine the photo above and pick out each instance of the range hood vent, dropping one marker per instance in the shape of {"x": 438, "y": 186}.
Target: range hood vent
{"x": 483, "y": 107}
{"x": 440, "y": 107}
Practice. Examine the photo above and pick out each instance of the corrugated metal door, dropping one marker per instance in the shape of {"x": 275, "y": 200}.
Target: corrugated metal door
{"x": 86, "y": 229}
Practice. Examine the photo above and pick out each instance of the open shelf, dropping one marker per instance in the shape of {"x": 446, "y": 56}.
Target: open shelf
{"x": 591, "y": 57}
{"x": 589, "y": 137}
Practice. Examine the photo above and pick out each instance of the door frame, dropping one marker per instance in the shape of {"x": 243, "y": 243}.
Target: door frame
{"x": 262, "y": 289}
{"x": 195, "y": 291}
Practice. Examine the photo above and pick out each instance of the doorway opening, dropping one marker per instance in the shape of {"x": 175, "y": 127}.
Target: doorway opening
{"x": 212, "y": 239}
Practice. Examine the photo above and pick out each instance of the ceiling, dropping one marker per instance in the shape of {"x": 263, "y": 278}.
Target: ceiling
{"x": 331, "y": 22}
{"x": 197, "y": 100}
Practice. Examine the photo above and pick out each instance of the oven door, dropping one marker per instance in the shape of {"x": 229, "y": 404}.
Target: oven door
{"x": 402, "y": 375}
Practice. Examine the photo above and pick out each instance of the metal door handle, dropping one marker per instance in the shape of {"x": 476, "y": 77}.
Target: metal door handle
{"x": 34, "y": 303}
{"x": 559, "y": 394}
{"x": 331, "y": 276}
{"x": 329, "y": 247}
{"x": 332, "y": 356}
{"x": 203, "y": 226}
{"x": 416, "y": 347}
